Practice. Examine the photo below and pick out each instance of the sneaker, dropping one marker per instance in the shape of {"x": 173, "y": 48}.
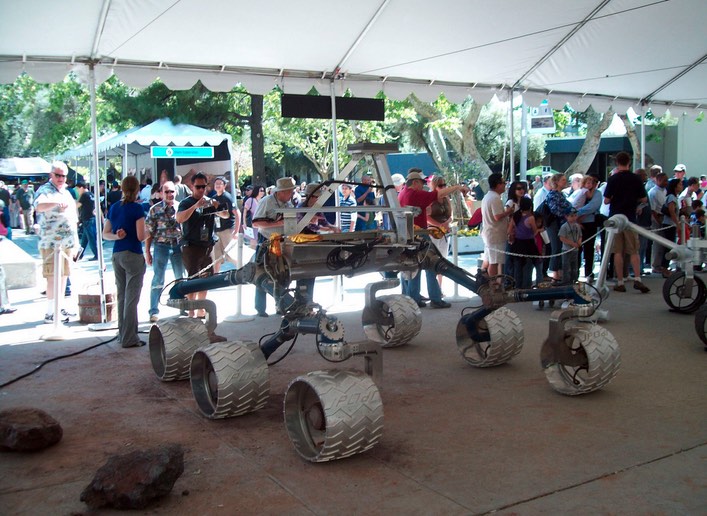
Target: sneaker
{"x": 421, "y": 303}
{"x": 49, "y": 319}
{"x": 66, "y": 313}
{"x": 440, "y": 304}
{"x": 619, "y": 288}
{"x": 640, "y": 286}
{"x": 262, "y": 314}
{"x": 154, "y": 318}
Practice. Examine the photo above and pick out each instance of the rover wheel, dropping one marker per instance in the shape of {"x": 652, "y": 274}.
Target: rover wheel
{"x": 674, "y": 290}
{"x": 405, "y": 321}
{"x": 506, "y": 331}
{"x": 701, "y": 324}
{"x": 330, "y": 415}
{"x": 172, "y": 343}
{"x": 229, "y": 379}
{"x": 600, "y": 359}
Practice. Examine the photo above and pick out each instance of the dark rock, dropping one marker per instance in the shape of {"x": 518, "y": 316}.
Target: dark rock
{"x": 133, "y": 480}
{"x": 28, "y": 429}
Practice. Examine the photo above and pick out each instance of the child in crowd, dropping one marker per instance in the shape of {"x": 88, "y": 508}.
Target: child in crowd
{"x": 571, "y": 237}
{"x": 523, "y": 243}
{"x": 367, "y": 220}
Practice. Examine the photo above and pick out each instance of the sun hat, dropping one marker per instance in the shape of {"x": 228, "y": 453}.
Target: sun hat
{"x": 398, "y": 179}
{"x": 313, "y": 189}
{"x": 415, "y": 175}
{"x": 283, "y": 184}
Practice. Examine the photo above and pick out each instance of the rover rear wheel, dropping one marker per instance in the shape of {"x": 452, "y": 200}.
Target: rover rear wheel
{"x": 334, "y": 414}
{"x": 506, "y": 331}
{"x": 229, "y": 379}
{"x": 599, "y": 357}
{"x": 678, "y": 298}
{"x": 172, "y": 343}
{"x": 404, "y": 321}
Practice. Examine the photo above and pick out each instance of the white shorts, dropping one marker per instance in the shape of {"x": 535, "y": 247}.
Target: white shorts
{"x": 494, "y": 252}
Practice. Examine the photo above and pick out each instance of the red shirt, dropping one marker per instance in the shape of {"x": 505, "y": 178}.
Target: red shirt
{"x": 420, "y": 198}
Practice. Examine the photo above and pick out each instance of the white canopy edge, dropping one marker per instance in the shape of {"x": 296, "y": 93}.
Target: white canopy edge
{"x": 262, "y": 81}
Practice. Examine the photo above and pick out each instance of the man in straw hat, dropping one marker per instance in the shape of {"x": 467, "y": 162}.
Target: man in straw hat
{"x": 268, "y": 219}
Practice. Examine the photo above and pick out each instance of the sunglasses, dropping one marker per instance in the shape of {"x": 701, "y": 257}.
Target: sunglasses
{"x": 59, "y": 175}
{"x": 199, "y": 187}
{"x": 167, "y": 191}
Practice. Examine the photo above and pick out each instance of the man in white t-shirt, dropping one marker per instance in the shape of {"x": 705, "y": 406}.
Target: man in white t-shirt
{"x": 495, "y": 224}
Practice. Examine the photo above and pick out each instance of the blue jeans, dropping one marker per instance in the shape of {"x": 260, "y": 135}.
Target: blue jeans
{"x": 129, "y": 269}
{"x": 411, "y": 288}
{"x": 88, "y": 235}
{"x": 161, "y": 255}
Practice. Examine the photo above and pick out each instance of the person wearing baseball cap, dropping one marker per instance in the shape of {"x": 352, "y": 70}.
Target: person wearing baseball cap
{"x": 415, "y": 195}
{"x": 680, "y": 171}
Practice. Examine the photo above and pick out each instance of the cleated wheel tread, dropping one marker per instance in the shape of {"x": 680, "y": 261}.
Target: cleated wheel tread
{"x": 701, "y": 324}
{"x": 406, "y": 325}
{"x": 603, "y": 359}
{"x": 334, "y": 414}
{"x": 229, "y": 379}
{"x": 506, "y": 331}
{"x": 172, "y": 343}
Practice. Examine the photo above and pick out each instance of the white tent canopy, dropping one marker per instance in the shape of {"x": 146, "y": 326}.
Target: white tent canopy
{"x": 138, "y": 140}
{"x": 597, "y": 52}
{"x": 24, "y": 167}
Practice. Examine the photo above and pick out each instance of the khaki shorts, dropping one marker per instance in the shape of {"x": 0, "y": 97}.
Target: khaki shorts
{"x": 626, "y": 242}
{"x": 224, "y": 239}
{"x": 48, "y": 262}
{"x": 196, "y": 258}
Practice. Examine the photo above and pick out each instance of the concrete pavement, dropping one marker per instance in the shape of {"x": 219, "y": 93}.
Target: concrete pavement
{"x": 457, "y": 439}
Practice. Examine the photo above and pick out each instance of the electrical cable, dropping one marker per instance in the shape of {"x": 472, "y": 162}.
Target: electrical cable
{"x": 41, "y": 365}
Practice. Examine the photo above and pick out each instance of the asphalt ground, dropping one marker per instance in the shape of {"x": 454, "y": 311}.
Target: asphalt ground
{"x": 457, "y": 439}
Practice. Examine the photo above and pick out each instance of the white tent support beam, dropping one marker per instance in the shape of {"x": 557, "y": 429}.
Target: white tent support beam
{"x": 673, "y": 79}
{"x": 564, "y": 40}
{"x": 97, "y": 192}
{"x": 360, "y": 37}
{"x": 99, "y": 28}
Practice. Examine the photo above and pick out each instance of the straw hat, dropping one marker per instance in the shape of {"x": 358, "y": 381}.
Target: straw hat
{"x": 283, "y": 184}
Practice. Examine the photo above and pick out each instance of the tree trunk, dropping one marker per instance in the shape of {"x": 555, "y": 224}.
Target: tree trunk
{"x": 633, "y": 138}
{"x": 596, "y": 125}
{"x": 257, "y": 141}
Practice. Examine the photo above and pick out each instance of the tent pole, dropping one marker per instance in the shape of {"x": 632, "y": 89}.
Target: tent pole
{"x": 96, "y": 190}
{"x": 643, "y": 136}
{"x": 335, "y": 143}
{"x": 523, "y": 141}
{"x": 511, "y": 168}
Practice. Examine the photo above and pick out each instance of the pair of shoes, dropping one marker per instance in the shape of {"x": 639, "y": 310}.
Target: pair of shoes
{"x": 4, "y": 311}
{"x": 66, "y": 313}
{"x": 619, "y": 288}
{"x": 421, "y": 303}
{"x": 440, "y": 304}
{"x": 640, "y": 286}
{"x": 216, "y": 338}
{"x": 49, "y": 319}
{"x": 154, "y": 318}
{"x": 138, "y": 344}
{"x": 262, "y": 314}
{"x": 425, "y": 299}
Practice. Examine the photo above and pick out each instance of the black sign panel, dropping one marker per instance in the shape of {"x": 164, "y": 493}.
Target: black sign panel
{"x": 347, "y": 108}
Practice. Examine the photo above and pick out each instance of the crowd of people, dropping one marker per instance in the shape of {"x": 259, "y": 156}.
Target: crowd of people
{"x": 542, "y": 231}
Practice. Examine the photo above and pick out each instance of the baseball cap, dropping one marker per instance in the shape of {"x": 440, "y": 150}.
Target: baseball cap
{"x": 679, "y": 168}
{"x": 398, "y": 179}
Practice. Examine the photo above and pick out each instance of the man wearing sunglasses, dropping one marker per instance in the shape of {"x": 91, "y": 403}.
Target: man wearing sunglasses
{"x": 196, "y": 215}
{"x": 166, "y": 233}
{"x": 58, "y": 227}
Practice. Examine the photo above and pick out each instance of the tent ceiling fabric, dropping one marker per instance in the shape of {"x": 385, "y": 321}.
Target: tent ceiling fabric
{"x": 583, "y": 51}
